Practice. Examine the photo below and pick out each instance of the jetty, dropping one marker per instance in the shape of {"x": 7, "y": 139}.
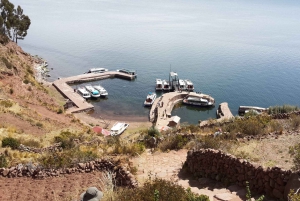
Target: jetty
{"x": 62, "y": 85}
{"x": 223, "y": 114}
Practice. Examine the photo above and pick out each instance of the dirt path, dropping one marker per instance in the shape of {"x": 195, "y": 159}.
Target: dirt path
{"x": 168, "y": 166}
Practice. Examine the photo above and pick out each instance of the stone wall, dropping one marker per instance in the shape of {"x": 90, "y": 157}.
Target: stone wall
{"x": 224, "y": 167}
{"x": 122, "y": 174}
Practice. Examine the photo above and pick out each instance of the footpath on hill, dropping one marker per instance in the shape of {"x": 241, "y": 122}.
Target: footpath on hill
{"x": 169, "y": 166}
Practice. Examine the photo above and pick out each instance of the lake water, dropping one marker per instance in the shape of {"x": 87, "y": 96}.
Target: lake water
{"x": 238, "y": 51}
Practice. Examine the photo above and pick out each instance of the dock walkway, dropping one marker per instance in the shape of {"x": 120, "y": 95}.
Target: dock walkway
{"x": 81, "y": 105}
{"x": 162, "y": 107}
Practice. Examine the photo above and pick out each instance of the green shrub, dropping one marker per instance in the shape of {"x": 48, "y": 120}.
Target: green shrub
{"x": 282, "y": 109}
{"x": 294, "y": 196}
{"x": 7, "y": 63}
{"x": 11, "y": 91}
{"x": 3, "y": 161}
{"x": 173, "y": 142}
{"x": 133, "y": 149}
{"x": 25, "y": 81}
{"x": 153, "y": 132}
{"x": 295, "y": 121}
{"x": 67, "y": 158}
{"x": 59, "y": 111}
{"x": 66, "y": 139}
{"x": 10, "y": 142}
{"x": 159, "y": 190}
{"x": 294, "y": 151}
{"x": 6, "y": 103}
{"x": 39, "y": 124}
{"x": 29, "y": 70}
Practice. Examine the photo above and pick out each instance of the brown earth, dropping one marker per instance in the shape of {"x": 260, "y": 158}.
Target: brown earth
{"x": 65, "y": 188}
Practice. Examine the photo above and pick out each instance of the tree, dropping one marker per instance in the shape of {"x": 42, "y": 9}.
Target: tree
{"x": 21, "y": 24}
{"x": 13, "y": 22}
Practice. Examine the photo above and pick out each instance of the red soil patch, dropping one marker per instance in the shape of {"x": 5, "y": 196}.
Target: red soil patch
{"x": 22, "y": 126}
{"x": 68, "y": 187}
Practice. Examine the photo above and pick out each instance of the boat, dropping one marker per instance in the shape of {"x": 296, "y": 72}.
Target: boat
{"x": 182, "y": 85}
{"x": 83, "y": 92}
{"x": 189, "y": 85}
{"x": 97, "y": 70}
{"x": 94, "y": 93}
{"x": 129, "y": 72}
{"x": 101, "y": 90}
{"x": 118, "y": 128}
{"x": 199, "y": 99}
{"x": 166, "y": 85}
{"x": 158, "y": 86}
{"x": 150, "y": 99}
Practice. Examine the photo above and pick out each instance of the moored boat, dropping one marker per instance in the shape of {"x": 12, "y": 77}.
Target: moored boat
{"x": 199, "y": 99}
{"x": 182, "y": 85}
{"x": 101, "y": 90}
{"x": 158, "y": 85}
{"x": 166, "y": 85}
{"x": 150, "y": 99}
{"x": 97, "y": 70}
{"x": 189, "y": 85}
{"x": 118, "y": 128}
{"x": 94, "y": 93}
{"x": 83, "y": 92}
{"x": 129, "y": 72}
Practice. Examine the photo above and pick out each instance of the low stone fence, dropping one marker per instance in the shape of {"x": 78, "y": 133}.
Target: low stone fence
{"x": 122, "y": 174}
{"x": 53, "y": 148}
{"x": 224, "y": 167}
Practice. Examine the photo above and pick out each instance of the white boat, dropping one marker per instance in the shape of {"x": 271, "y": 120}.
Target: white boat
{"x": 166, "y": 85}
{"x": 118, "y": 128}
{"x": 97, "y": 70}
{"x": 94, "y": 93}
{"x": 182, "y": 85}
{"x": 189, "y": 85}
{"x": 199, "y": 99}
{"x": 129, "y": 72}
{"x": 83, "y": 92}
{"x": 150, "y": 99}
{"x": 101, "y": 90}
{"x": 158, "y": 86}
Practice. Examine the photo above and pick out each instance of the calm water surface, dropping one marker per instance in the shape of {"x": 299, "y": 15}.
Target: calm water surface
{"x": 240, "y": 52}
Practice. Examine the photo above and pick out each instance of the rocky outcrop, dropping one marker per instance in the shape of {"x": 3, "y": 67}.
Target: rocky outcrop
{"x": 123, "y": 176}
{"x": 224, "y": 167}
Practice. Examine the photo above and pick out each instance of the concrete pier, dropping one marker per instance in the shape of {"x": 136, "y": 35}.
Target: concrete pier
{"x": 81, "y": 105}
{"x": 162, "y": 107}
{"x": 223, "y": 114}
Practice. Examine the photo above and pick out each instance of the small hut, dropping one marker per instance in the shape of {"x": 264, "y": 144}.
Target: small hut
{"x": 174, "y": 122}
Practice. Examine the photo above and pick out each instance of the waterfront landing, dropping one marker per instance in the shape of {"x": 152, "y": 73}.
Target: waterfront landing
{"x": 68, "y": 92}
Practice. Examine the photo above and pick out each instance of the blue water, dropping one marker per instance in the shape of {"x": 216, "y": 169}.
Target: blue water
{"x": 240, "y": 52}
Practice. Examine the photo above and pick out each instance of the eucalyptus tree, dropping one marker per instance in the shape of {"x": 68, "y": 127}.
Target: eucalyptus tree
{"x": 13, "y": 22}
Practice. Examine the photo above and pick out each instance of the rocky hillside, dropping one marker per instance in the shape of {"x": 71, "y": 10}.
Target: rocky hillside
{"x": 28, "y": 109}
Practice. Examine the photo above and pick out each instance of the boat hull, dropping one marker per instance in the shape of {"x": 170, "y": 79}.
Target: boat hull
{"x": 198, "y": 104}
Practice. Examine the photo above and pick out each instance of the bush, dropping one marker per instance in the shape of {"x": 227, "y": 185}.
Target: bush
{"x": 66, "y": 139}
{"x": 25, "y": 81}
{"x": 67, "y": 158}
{"x": 282, "y": 109}
{"x": 6, "y": 103}
{"x": 3, "y": 161}
{"x": 133, "y": 149}
{"x": 59, "y": 111}
{"x": 7, "y": 63}
{"x": 295, "y": 121}
{"x": 10, "y": 142}
{"x": 159, "y": 190}
{"x": 294, "y": 151}
{"x": 153, "y": 132}
{"x": 173, "y": 142}
{"x": 11, "y": 91}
